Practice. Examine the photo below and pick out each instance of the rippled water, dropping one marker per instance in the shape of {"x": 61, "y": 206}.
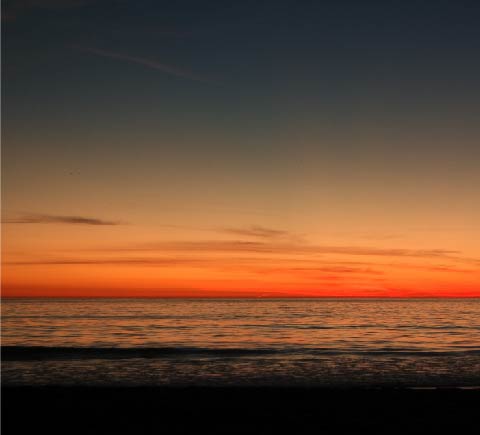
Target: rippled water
{"x": 231, "y": 342}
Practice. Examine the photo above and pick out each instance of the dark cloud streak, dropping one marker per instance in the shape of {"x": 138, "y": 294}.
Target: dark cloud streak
{"x": 110, "y": 261}
{"x": 256, "y": 231}
{"x": 292, "y": 248}
{"x": 165, "y": 68}
{"x": 54, "y": 219}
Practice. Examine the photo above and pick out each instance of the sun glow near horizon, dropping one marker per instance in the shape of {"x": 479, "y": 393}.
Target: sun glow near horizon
{"x": 249, "y": 261}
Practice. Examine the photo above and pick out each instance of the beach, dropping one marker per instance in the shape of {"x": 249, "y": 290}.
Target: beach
{"x": 250, "y": 410}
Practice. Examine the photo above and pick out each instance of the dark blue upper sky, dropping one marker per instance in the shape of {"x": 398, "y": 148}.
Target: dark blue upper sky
{"x": 253, "y": 55}
{"x": 244, "y": 82}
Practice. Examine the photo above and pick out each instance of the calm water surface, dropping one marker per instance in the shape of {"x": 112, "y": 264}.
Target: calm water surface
{"x": 242, "y": 342}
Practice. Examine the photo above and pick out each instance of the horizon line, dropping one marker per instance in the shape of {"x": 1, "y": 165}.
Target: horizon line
{"x": 239, "y": 297}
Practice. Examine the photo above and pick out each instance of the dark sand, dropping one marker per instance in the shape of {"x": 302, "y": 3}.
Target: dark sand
{"x": 66, "y": 410}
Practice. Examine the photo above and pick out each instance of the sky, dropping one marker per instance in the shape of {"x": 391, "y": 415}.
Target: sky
{"x": 240, "y": 149}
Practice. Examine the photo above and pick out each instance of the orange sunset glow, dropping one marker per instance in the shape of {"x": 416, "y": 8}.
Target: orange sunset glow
{"x": 65, "y": 259}
{"x": 340, "y": 164}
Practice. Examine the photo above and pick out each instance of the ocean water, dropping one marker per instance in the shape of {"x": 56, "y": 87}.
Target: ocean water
{"x": 186, "y": 342}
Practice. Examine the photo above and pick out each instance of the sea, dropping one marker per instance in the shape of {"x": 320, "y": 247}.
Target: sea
{"x": 332, "y": 343}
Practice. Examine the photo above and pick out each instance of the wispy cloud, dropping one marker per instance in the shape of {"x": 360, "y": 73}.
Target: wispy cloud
{"x": 256, "y": 231}
{"x": 291, "y": 248}
{"x": 167, "y": 262}
{"x": 359, "y": 250}
{"x": 323, "y": 269}
{"x": 159, "y": 66}
{"x": 55, "y": 219}
{"x": 248, "y": 266}
{"x": 439, "y": 267}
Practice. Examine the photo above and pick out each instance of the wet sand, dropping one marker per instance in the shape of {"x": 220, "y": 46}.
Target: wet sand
{"x": 136, "y": 410}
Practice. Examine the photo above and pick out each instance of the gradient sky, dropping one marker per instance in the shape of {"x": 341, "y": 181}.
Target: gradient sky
{"x": 250, "y": 148}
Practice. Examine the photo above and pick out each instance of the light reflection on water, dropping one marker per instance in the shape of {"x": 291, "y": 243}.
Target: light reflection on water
{"x": 422, "y": 342}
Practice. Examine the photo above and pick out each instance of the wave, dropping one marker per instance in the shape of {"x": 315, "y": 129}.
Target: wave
{"x": 28, "y": 353}
{"x": 273, "y": 326}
